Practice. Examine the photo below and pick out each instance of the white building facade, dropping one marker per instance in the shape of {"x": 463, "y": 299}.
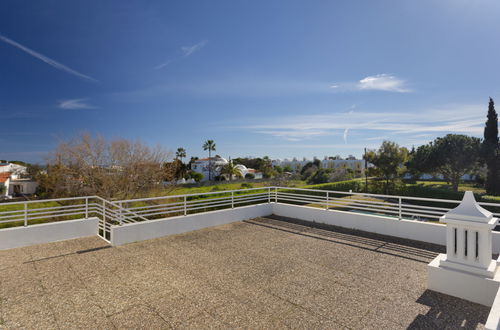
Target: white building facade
{"x": 296, "y": 165}
{"x": 14, "y": 178}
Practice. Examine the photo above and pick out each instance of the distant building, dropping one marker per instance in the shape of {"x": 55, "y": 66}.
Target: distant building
{"x": 245, "y": 170}
{"x": 15, "y": 179}
{"x": 202, "y": 166}
{"x": 296, "y": 165}
{"x": 218, "y": 163}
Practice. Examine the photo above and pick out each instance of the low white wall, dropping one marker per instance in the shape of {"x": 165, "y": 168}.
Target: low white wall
{"x": 415, "y": 230}
{"x": 175, "y": 225}
{"x": 48, "y": 232}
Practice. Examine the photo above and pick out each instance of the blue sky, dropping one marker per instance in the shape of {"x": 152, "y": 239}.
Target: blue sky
{"x": 278, "y": 78}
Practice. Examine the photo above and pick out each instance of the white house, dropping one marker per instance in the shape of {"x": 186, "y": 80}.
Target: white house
{"x": 202, "y": 166}
{"x": 14, "y": 178}
{"x": 245, "y": 170}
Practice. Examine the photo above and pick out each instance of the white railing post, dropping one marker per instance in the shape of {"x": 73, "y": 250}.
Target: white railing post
{"x": 269, "y": 195}
{"x": 232, "y": 199}
{"x": 86, "y": 207}
{"x": 104, "y": 213}
{"x": 327, "y": 200}
{"x": 25, "y": 214}
{"x": 400, "y": 213}
{"x": 185, "y": 205}
{"x": 120, "y": 214}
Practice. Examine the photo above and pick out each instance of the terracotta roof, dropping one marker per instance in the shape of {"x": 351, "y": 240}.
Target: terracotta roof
{"x": 4, "y": 176}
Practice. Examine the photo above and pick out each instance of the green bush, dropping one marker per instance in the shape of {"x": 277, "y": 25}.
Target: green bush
{"x": 354, "y": 185}
{"x": 196, "y": 176}
{"x": 246, "y": 185}
{"x": 249, "y": 176}
{"x": 320, "y": 176}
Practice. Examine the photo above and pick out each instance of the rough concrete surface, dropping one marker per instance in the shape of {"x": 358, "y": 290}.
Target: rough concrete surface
{"x": 262, "y": 273}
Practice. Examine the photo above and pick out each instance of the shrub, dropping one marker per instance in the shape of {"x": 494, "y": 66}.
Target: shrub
{"x": 217, "y": 188}
{"x": 249, "y": 176}
{"x": 196, "y": 176}
{"x": 320, "y": 176}
{"x": 246, "y": 185}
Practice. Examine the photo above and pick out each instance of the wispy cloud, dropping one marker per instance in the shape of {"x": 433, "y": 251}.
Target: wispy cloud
{"x": 186, "y": 51}
{"x": 189, "y": 50}
{"x": 423, "y": 123}
{"x": 346, "y": 131}
{"x": 380, "y": 82}
{"x": 162, "y": 65}
{"x": 75, "y": 104}
{"x": 47, "y": 60}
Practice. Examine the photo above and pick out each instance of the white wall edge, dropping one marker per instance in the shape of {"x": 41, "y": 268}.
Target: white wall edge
{"x": 141, "y": 231}
{"x": 416, "y": 230}
{"x": 48, "y": 232}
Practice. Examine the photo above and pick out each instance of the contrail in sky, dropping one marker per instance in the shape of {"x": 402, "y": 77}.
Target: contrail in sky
{"x": 47, "y": 60}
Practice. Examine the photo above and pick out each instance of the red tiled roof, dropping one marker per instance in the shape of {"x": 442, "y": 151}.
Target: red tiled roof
{"x": 4, "y": 176}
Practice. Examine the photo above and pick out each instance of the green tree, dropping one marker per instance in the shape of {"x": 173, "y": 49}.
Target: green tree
{"x": 231, "y": 171}
{"x": 320, "y": 176}
{"x": 181, "y": 153}
{"x": 490, "y": 151}
{"x": 389, "y": 161}
{"x": 452, "y": 156}
{"x": 210, "y": 146}
{"x": 419, "y": 161}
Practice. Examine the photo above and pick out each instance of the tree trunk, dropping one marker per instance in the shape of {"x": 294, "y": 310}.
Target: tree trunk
{"x": 209, "y": 165}
{"x": 455, "y": 180}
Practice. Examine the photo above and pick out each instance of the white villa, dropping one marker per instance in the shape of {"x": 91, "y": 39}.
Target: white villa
{"x": 14, "y": 178}
{"x": 217, "y": 163}
{"x": 295, "y": 164}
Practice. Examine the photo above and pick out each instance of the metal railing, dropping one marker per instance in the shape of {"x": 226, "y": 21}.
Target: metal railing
{"x": 399, "y": 207}
{"x": 14, "y": 214}
{"x": 144, "y": 209}
{"x": 166, "y": 206}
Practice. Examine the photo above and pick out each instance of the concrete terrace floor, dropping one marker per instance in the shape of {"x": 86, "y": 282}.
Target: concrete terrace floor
{"x": 262, "y": 273}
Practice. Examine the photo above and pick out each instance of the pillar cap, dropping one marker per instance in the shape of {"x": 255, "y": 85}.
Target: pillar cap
{"x": 468, "y": 210}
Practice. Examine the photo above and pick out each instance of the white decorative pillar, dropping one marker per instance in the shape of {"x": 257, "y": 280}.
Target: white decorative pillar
{"x": 466, "y": 270}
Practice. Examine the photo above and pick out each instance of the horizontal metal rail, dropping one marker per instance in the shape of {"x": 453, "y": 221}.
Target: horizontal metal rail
{"x": 146, "y": 209}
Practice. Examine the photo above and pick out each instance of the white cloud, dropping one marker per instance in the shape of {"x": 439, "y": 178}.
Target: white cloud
{"x": 47, "y": 60}
{"x": 75, "y": 104}
{"x": 346, "y": 131}
{"x": 186, "y": 51}
{"x": 189, "y": 50}
{"x": 162, "y": 65}
{"x": 383, "y": 82}
{"x": 462, "y": 119}
{"x": 380, "y": 82}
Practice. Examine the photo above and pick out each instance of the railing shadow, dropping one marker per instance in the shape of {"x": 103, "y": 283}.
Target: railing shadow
{"x": 447, "y": 312}
{"x": 394, "y": 246}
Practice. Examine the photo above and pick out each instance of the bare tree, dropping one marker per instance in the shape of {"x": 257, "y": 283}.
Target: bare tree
{"x": 110, "y": 169}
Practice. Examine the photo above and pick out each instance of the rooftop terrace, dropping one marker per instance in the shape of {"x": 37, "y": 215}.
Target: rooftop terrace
{"x": 268, "y": 272}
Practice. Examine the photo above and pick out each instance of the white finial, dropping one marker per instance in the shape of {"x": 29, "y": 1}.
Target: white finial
{"x": 469, "y": 210}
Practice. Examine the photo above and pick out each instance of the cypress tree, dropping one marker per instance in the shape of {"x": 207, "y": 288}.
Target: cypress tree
{"x": 491, "y": 152}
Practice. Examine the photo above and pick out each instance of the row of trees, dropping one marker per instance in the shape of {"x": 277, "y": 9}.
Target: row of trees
{"x": 111, "y": 169}
{"x": 451, "y": 156}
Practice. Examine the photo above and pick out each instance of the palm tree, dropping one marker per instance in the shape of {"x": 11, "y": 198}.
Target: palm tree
{"x": 231, "y": 170}
{"x": 210, "y": 146}
{"x": 181, "y": 153}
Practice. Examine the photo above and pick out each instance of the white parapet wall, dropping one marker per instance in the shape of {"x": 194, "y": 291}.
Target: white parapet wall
{"x": 140, "y": 231}
{"x": 416, "y": 230}
{"x": 47, "y": 232}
